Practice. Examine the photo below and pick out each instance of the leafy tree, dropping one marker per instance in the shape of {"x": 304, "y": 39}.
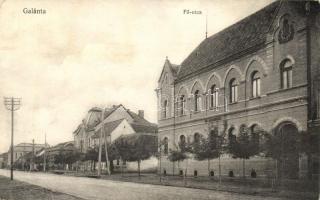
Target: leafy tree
{"x": 136, "y": 147}
{"x": 243, "y": 146}
{"x": 181, "y": 154}
{"x": 209, "y": 148}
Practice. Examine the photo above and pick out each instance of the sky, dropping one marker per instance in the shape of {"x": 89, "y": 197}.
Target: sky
{"x": 82, "y": 54}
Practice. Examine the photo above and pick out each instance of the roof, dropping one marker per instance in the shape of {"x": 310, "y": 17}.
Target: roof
{"x": 62, "y": 146}
{"x": 109, "y": 127}
{"x": 173, "y": 68}
{"x": 247, "y": 33}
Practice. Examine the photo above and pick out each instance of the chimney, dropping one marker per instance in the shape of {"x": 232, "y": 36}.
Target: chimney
{"x": 141, "y": 113}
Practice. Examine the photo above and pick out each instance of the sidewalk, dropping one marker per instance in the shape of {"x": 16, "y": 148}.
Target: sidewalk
{"x": 236, "y": 185}
{"x": 16, "y": 190}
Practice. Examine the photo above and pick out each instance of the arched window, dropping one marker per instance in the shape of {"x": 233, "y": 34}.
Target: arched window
{"x": 182, "y": 143}
{"x": 233, "y": 85}
{"x": 197, "y": 101}
{"x": 255, "y": 83}
{"x": 196, "y": 138}
{"x": 165, "y": 109}
{"x": 182, "y": 105}
{"x": 213, "y": 138}
{"x": 255, "y": 134}
{"x": 166, "y": 143}
{"x": 213, "y": 97}
{"x": 182, "y": 138}
{"x": 286, "y": 74}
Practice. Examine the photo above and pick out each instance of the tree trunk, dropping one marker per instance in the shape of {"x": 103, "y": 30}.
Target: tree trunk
{"x": 139, "y": 168}
{"x": 209, "y": 167}
{"x": 173, "y": 168}
{"x": 219, "y": 169}
{"x": 243, "y": 168}
{"x": 121, "y": 166}
{"x": 185, "y": 173}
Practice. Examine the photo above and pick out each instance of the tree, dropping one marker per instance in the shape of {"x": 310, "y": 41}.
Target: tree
{"x": 136, "y": 147}
{"x": 243, "y": 146}
{"x": 91, "y": 155}
{"x": 72, "y": 156}
{"x": 181, "y": 154}
{"x": 209, "y": 148}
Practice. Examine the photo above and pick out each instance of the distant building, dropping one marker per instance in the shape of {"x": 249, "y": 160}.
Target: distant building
{"x": 22, "y": 149}
{"x": 261, "y": 73}
{"x": 3, "y": 160}
{"x": 117, "y": 121}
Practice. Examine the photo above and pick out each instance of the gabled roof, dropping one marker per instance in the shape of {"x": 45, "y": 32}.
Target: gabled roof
{"x": 109, "y": 127}
{"x": 247, "y": 33}
{"x": 173, "y": 68}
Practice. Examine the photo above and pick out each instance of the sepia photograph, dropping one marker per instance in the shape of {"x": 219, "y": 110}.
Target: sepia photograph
{"x": 160, "y": 99}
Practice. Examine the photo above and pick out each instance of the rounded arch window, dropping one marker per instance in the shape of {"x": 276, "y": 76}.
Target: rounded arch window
{"x": 255, "y": 84}
{"x": 286, "y": 74}
{"x": 182, "y": 138}
{"x": 255, "y": 131}
{"x": 196, "y": 138}
{"x": 233, "y": 85}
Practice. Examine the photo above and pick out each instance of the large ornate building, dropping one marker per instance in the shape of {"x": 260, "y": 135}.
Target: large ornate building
{"x": 261, "y": 72}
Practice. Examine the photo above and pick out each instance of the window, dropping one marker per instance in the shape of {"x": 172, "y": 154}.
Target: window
{"x": 182, "y": 105}
{"x": 255, "y": 134}
{"x": 233, "y": 90}
{"x": 255, "y": 82}
{"x": 286, "y": 74}
{"x": 196, "y": 138}
{"x": 81, "y": 145}
{"x": 165, "y": 143}
{"x": 182, "y": 138}
{"x": 197, "y": 101}
{"x": 165, "y": 109}
{"x": 213, "y": 97}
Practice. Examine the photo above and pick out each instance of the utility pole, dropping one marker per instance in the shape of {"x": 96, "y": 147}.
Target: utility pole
{"x": 45, "y": 152}
{"x": 12, "y": 104}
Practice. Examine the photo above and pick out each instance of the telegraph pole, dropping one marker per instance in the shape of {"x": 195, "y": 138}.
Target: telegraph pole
{"x": 12, "y": 104}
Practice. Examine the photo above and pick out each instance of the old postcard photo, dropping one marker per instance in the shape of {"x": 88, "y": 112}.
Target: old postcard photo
{"x": 161, "y": 99}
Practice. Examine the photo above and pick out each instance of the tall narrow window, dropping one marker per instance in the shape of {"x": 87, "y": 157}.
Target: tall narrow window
{"x": 233, "y": 90}
{"x": 213, "y": 97}
{"x": 197, "y": 101}
{"x": 286, "y": 74}
{"x": 165, "y": 109}
{"x": 255, "y": 82}
{"x": 182, "y": 105}
{"x": 165, "y": 142}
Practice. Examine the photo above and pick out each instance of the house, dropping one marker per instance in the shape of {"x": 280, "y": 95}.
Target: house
{"x": 117, "y": 121}
{"x": 261, "y": 73}
{"x": 22, "y": 149}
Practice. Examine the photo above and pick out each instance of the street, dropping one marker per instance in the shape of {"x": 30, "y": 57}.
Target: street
{"x": 89, "y": 188}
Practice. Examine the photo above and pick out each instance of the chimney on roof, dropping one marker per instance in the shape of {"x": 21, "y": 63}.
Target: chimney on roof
{"x": 141, "y": 113}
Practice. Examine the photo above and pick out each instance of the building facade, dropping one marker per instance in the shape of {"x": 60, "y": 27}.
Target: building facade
{"x": 22, "y": 149}
{"x": 117, "y": 121}
{"x": 261, "y": 73}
